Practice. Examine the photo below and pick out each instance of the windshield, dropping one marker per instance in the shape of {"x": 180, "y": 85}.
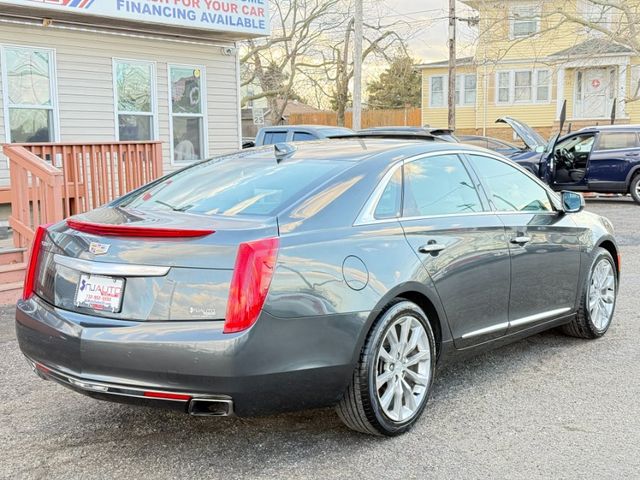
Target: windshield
{"x": 234, "y": 186}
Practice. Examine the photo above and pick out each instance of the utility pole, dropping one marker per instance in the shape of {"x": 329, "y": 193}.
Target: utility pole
{"x": 357, "y": 67}
{"x": 451, "y": 100}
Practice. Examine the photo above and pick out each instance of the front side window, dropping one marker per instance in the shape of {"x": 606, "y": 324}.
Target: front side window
{"x": 510, "y": 190}
{"x": 524, "y": 20}
{"x": 303, "y": 136}
{"x": 436, "y": 96}
{"x": 618, "y": 140}
{"x": 187, "y": 113}
{"x": 134, "y": 85}
{"x": 29, "y": 94}
{"x": 438, "y": 186}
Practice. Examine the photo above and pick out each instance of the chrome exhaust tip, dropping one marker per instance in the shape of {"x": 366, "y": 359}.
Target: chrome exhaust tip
{"x": 210, "y": 407}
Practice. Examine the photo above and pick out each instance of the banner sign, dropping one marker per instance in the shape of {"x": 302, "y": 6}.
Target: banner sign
{"x": 241, "y": 16}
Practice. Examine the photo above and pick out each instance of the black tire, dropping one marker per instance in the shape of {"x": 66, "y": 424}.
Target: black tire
{"x": 582, "y": 326}
{"x": 360, "y": 409}
{"x": 634, "y": 188}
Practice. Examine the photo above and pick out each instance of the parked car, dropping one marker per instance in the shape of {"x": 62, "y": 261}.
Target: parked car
{"x": 442, "y": 133}
{"x": 297, "y": 133}
{"x": 505, "y": 148}
{"x": 341, "y": 272}
{"x": 601, "y": 159}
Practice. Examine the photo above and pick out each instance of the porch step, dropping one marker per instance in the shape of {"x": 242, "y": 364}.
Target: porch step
{"x": 10, "y": 293}
{"x": 11, "y": 273}
{"x": 12, "y": 255}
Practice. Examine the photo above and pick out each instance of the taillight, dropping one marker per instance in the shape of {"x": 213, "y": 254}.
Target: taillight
{"x": 250, "y": 283}
{"x": 32, "y": 267}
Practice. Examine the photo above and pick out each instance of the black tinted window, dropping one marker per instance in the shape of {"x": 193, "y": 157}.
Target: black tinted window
{"x": 616, "y": 140}
{"x": 389, "y": 203}
{"x": 235, "y": 186}
{"x": 438, "y": 186}
{"x": 274, "y": 137}
{"x": 302, "y": 136}
{"x": 510, "y": 189}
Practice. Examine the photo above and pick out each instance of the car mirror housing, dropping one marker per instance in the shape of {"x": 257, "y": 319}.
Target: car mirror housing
{"x": 572, "y": 202}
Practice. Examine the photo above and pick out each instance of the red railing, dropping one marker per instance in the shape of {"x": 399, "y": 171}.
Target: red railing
{"x": 51, "y": 181}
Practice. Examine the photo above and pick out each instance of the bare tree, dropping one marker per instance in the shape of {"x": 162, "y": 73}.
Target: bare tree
{"x": 274, "y": 63}
{"x": 334, "y": 70}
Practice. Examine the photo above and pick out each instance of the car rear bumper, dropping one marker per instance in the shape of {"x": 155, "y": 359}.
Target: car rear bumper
{"x": 277, "y": 365}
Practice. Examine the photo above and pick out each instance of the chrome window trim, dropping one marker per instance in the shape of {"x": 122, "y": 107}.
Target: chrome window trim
{"x": 105, "y": 268}
{"x": 367, "y": 217}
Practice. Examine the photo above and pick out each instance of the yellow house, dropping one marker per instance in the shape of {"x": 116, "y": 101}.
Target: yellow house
{"x": 530, "y": 57}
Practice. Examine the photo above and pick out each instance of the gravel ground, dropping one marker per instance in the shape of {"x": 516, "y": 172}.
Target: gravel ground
{"x": 546, "y": 407}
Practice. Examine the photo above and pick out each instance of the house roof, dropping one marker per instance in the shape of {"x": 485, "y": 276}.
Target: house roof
{"x": 444, "y": 63}
{"x": 294, "y": 106}
{"x": 594, "y": 46}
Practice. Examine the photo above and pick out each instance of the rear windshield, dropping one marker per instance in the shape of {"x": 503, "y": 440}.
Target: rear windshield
{"x": 235, "y": 186}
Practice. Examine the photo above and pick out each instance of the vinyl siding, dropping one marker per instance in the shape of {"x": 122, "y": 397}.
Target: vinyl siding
{"x": 84, "y": 64}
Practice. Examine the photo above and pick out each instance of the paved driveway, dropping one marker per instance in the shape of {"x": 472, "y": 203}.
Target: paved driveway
{"x": 546, "y": 407}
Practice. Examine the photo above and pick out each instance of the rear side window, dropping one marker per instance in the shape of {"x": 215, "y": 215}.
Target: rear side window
{"x": 235, "y": 186}
{"x": 390, "y": 201}
{"x": 303, "y": 136}
{"x": 510, "y": 190}
{"x": 438, "y": 186}
{"x": 616, "y": 140}
{"x": 274, "y": 137}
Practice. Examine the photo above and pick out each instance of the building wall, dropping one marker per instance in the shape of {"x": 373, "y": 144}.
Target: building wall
{"x": 85, "y": 83}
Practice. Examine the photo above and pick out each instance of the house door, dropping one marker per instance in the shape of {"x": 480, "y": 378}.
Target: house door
{"x": 595, "y": 91}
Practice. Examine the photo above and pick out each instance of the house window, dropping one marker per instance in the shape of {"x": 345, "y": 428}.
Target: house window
{"x": 29, "y": 96}
{"x": 465, "y": 90}
{"x": 436, "y": 96}
{"x": 504, "y": 87}
{"x": 524, "y": 20}
{"x": 523, "y": 86}
{"x": 187, "y": 111}
{"x": 135, "y": 99}
{"x": 595, "y": 13}
{"x": 543, "y": 86}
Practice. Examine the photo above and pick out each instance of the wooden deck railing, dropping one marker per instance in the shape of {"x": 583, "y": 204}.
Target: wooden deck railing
{"x": 51, "y": 181}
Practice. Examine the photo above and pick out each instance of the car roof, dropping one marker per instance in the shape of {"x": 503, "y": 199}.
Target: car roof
{"x": 356, "y": 149}
{"x": 300, "y": 127}
{"x": 609, "y": 128}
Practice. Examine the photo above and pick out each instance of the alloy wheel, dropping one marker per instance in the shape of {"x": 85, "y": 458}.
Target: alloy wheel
{"x": 403, "y": 369}
{"x": 602, "y": 294}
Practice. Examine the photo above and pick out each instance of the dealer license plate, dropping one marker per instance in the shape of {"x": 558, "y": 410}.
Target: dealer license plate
{"x": 99, "y": 292}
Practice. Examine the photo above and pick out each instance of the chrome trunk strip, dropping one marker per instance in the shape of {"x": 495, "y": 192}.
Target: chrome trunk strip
{"x": 115, "y": 269}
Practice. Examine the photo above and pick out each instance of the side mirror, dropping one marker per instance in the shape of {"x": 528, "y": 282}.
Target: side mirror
{"x": 572, "y": 202}
{"x": 540, "y": 149}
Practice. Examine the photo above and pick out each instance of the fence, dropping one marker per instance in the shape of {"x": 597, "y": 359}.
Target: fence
{"x": 370, "y": 118}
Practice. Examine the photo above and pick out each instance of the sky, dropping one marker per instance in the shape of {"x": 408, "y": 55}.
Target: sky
{"x": 429, "y": 19}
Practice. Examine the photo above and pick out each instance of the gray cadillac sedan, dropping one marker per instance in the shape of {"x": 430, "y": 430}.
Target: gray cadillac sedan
{"x": 338, "y": 272}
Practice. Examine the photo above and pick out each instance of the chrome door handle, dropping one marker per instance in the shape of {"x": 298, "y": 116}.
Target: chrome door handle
{"x": 521, "y": 240}
{"x": 431, "y": 248}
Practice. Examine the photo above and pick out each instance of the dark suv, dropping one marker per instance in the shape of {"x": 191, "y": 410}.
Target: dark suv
{"x": 604, "y": 159}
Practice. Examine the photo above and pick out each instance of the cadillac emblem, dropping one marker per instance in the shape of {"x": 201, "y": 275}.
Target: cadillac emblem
{"x": 98, "y": 248}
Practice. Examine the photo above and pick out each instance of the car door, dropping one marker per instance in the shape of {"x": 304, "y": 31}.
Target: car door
{"x": 611, "y": 160}
{"x": 544, "y": 243}
{"x": 461, "y": 244}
